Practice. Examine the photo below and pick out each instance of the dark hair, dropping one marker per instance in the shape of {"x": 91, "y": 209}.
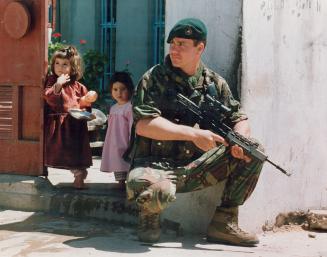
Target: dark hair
{"x": 70, "y": 53}
{"x": 124, "y": 78}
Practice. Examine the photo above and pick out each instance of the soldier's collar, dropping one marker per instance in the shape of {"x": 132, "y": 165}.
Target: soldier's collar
{"x": 194, "y": 80}
{"x": 181, "y": 73}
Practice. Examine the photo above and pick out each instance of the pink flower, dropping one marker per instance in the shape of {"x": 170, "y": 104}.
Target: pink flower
{"x": 56, "y": 35}
{"x": 82, "y": 41}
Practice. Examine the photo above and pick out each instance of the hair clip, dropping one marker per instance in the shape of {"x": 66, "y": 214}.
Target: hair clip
{"x": 68, "y": 51}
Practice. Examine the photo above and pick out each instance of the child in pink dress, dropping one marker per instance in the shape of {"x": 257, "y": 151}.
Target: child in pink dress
{"x": 120, "y": 121}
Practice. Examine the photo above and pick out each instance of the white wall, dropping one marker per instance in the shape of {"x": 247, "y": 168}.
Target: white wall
{"x": 284, "y": 92}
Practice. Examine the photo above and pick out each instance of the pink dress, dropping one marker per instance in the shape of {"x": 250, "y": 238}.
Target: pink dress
{"x": 117, "y": 138}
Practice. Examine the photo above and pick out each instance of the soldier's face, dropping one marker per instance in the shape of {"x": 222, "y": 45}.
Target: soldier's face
{"x": 184, "y": 54}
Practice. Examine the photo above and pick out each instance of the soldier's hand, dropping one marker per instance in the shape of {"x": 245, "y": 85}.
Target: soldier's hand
{"x": 206, "y": 140}
{"x": 171, "y": 175}
{"x": 237, "y": 152}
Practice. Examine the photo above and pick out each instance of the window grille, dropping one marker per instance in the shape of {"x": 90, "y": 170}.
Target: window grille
{"x": 108, "y": 37}
{"x": 159, "y": 32}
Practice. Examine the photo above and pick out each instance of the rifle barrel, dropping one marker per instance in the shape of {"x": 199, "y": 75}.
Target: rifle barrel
{"x": 278, "y": 167}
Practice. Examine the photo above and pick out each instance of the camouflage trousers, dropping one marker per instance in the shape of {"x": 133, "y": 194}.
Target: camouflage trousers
{"x": 153, "y": 185}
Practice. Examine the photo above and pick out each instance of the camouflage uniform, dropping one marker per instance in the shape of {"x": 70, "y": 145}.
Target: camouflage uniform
{"x": 160, "y": 169}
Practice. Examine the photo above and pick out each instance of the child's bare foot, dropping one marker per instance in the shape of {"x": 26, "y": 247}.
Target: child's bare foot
{"x": 79, "y": 181}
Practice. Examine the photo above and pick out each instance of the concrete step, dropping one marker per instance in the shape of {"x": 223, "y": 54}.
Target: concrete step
{"x": 100, "y": 201}
{"x": 317, "y": 219}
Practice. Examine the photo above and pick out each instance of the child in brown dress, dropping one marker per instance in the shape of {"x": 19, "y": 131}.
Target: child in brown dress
{"x": 66, "y": 138}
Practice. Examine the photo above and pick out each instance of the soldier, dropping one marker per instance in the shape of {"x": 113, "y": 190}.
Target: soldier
{"x": 170, "y": 154}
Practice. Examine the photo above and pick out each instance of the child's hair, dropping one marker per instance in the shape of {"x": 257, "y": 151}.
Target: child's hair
{"x": 70, "y": 53}
{"x": 124, "y": 78}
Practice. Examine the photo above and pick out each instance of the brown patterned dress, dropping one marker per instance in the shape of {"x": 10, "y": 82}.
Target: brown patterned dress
{"x": 66, "y": 139}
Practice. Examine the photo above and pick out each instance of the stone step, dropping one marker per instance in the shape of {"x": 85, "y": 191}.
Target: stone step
{"x": 38, "y": 194}
{"x": 317, "y": 219}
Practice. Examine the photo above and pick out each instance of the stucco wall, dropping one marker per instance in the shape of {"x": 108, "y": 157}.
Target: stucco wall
{"x": 80, "y": 20}
{"x": 284, "y": 92}
{"x": 133, "y": 42}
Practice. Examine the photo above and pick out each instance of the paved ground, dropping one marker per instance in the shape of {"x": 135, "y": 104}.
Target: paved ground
{"x": 28, "y": 234}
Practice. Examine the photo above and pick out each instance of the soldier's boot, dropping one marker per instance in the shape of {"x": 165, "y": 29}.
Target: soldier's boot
{"x": 224, "y": 229}
{"x": 148, "y": 226}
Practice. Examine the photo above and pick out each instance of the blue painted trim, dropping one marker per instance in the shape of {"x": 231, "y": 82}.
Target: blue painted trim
{"x": 108, "y": 27}
{"x": 158, "y": 31}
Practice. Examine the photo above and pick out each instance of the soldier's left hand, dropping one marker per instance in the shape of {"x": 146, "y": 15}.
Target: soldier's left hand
{"x": 238, "y": 153}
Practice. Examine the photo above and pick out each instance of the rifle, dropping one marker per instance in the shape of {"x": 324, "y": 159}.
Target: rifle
{"x": 212, "y": 115}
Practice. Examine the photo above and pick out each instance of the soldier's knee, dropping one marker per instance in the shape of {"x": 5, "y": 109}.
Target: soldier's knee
{"x": 135, "y": 183}
{"x": 135, "y": 173}
{"x": 152, "y": 189}
{"x": 155, "y": 199}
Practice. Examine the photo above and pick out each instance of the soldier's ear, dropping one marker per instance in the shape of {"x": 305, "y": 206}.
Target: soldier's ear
{"x": 201, "y": 47}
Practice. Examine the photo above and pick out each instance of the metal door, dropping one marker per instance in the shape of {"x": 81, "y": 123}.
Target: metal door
{"x": 23, "y": 65}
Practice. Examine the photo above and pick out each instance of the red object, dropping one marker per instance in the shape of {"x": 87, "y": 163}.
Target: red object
{"x": 82, "y": 42}
{"x": 23, "y": 68}
{"x": 17, "y": 20}
{"x": 56, "y": 35}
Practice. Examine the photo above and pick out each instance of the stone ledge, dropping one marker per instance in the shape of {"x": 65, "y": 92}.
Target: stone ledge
{"x": 317, "y": 219}
{"x": 38, "y": 194}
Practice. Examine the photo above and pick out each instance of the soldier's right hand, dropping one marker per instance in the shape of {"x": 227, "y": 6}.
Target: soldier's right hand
{"x": 172, "y": 176}
{"x": 206, "y": 140}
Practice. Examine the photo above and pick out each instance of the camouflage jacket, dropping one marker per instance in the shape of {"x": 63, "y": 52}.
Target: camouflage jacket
{"x": 156, "y": 96}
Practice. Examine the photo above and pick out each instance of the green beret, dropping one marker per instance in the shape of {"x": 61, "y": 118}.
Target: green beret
{"x": 190, "y": 28}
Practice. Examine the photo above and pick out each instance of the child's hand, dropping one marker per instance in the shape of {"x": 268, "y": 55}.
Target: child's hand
{"x": 91, "y": 96}
{"x": 62, "y": 79}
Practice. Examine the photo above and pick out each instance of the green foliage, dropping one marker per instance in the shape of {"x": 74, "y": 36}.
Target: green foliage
{"x": 52, "y": 47}
{"x": 94, "y": 63}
